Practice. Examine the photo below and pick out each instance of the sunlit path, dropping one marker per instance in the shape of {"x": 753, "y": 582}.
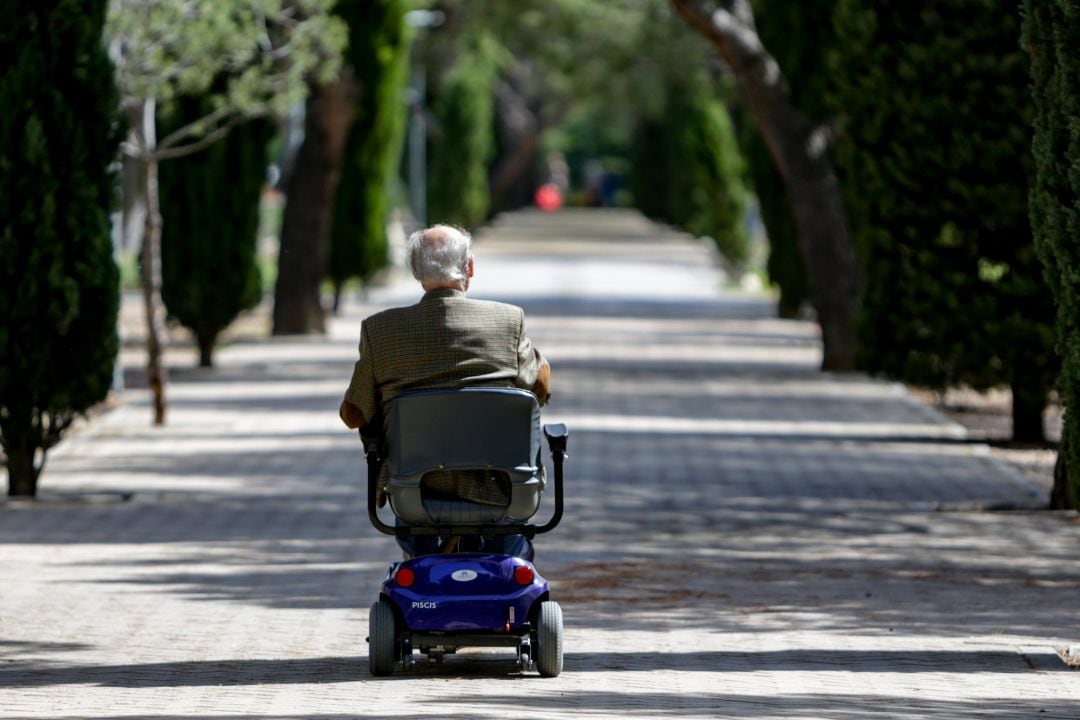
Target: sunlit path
{"x": 745, "y": 537}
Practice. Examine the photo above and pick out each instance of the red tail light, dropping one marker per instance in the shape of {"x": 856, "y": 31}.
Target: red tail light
{"x": 523, "y": 575}
{"x": 405, "y": 577}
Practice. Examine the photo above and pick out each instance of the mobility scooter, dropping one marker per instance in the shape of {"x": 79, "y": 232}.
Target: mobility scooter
{"x": 463, "y": 596}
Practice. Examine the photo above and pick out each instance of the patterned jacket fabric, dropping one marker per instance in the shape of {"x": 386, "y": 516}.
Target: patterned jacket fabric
{"x": 444, "y": 341}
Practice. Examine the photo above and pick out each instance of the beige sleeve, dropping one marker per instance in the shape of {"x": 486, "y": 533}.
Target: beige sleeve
{"x": 529, "y": 358}
{"x": 362, "y": 391}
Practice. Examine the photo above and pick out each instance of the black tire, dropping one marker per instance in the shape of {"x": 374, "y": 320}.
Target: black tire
{"x": 549, "y": 645}
{"x": 382, "y": 639}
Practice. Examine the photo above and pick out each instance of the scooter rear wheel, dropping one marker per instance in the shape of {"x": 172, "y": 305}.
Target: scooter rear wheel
{"x": 382, "y": 638}
{"x": 549, "y": 639}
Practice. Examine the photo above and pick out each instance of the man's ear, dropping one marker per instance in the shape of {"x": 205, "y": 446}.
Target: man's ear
{"x": 470, "y": 268}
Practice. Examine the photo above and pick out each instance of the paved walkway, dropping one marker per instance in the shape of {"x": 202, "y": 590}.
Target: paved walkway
{"x": 745, "y": 537}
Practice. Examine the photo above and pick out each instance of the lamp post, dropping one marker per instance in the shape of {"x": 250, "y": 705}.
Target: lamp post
{"x": 420, "y": 19}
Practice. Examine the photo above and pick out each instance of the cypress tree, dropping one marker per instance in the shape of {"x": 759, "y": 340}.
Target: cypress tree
{"x": 935, "y": 170}
{"x": 785, "y": 265}
{"x": 687, "y": 169}
{"x": 378, "y": 52}
{"x": 1051, "y": 33}
{"x": 210, "y": 209}
{"x": 458, "y": 190}
{"x": 59, "y": 134}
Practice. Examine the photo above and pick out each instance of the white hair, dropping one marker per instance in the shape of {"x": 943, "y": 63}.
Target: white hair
{"x": 439, "y": 255}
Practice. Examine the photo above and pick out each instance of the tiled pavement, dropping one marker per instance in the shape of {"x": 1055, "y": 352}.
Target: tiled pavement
{"x": 744, "y": 536}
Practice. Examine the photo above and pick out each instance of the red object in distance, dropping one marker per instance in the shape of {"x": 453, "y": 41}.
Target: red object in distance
{"x": 548, "y": 198}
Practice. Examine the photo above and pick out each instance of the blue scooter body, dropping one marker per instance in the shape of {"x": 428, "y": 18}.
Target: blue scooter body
{"x": 465, "y": 592}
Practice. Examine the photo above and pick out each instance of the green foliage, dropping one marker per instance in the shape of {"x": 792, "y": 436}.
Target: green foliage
{"x": 181, "y": 47}
{"x": 572, "y": 79}
{"x": 210, "y": 208}
{"x": 379, "y": 55}
{"x": 245, "y": 58}
{"x": 687, "y": 169}
{"x": 462, "y": 149}
{"x": 798, "y": 36}
{"x": 59, "y": 133}
{"x": 560, "y": 53}
{"x": 935, "y": 169}
{"x": 1051, "y": 34}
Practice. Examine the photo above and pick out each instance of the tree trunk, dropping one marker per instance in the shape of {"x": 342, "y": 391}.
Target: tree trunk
{"x": 522, "y": 129}
{"x": 22, "y": 475}
{"x": 1059, "y": 495}
{"x": 825, "y": 241}
{"x": 310, "y": 191}
{"x": 800, "y": 151}
{"x": 336, "y": 307}
{"x": 1065, "y": 495}
{"x": 1028, "y": 403}
{"x": 206, "y": 349}
{"x": 150, "y": 259}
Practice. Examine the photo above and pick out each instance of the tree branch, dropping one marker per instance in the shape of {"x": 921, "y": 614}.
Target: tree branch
{"x": 733, "y": 33}
{"x": 168, "y": 153}
{"x": 188, "y": 130}
{"x": 132, "y": 150}
{"x": 742, "y": 10}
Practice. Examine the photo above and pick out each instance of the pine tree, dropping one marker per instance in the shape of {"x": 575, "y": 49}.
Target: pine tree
{"x": 210, "y": 209}
{"x": 250, "y": 58}
{"x": 935, "y": 170}
{"x": 378, "y": 53}
{"x": 59, "y": 134}
{"x": 1051, "y": 34}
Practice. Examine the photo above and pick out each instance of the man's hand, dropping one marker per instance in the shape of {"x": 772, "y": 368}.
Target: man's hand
{"x": 351, "y": 415}
{"x": 542, "y": 387}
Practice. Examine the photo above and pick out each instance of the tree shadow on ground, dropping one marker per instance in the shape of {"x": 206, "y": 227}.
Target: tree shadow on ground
{"x": 490, "y": 665}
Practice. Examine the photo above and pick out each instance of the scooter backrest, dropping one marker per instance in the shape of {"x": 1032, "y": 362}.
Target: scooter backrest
{"x": 470, "y": 428}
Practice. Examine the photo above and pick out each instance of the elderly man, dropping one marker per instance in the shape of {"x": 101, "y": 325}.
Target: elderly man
{"x": 445, "y": 341}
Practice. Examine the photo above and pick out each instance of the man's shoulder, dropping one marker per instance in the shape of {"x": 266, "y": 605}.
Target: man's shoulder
{"x": 490, "y": 312}
{"x": 492, "y": 306}
{"x": 389, "y": 318}
{"x": 393, "y": 319}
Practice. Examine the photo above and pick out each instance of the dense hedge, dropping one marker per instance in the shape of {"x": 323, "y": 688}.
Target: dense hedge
{"x": 210, "y": 214}
{"x": 936, "y": 167}
{"x": 1052, "y": 36}
{"x": 378, "y": 54}
{"x": 59, "y": 134}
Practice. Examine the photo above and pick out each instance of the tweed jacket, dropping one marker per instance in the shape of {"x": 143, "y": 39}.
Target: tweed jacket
{"x": 444, "y": 341}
